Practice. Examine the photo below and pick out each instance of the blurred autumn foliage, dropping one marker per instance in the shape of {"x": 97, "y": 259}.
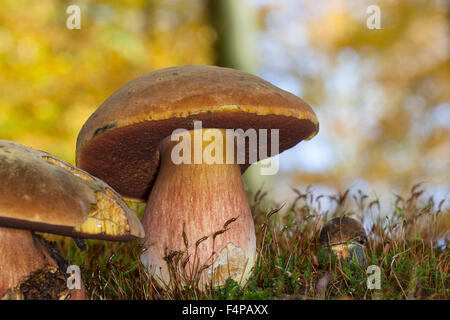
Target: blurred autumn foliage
{"x": 382, "y": 96}
{"x": 53, "y": 78}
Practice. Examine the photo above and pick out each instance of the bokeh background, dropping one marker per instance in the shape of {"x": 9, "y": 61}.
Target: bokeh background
{"x": 382, "y": 96}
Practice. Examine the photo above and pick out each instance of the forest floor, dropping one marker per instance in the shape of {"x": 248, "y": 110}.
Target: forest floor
{"x": 410, "y": 247}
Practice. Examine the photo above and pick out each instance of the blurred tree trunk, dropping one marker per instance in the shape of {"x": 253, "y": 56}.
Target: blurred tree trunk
{"x": 234, "y": 22}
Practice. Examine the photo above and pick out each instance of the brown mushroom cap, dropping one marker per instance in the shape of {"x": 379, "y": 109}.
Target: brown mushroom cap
{"x": 119, "y": 142}
{"x": 39, "y": 192}
{"x": 341, "y": 230}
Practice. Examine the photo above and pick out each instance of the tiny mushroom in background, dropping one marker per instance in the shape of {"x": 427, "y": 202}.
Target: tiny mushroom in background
{"x": 346, "y": 238}
{"x": 41, "y": 193}
{"x": 199, "y": 208}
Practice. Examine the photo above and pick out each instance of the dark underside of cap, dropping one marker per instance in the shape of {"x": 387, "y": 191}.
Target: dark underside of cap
{"x": 127, "y": 158}
{"x": 61, "y": 230}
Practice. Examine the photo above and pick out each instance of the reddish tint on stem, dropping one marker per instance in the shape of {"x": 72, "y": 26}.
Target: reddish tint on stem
{"x": 201, "y": 198}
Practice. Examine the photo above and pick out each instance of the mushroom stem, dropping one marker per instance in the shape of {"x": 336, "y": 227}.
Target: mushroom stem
{"x": 191, "y": 201}
{"x": 20, "y": 255}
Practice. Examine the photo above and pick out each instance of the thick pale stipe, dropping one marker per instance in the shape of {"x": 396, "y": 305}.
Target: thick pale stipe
{"x": 202, "y": 198}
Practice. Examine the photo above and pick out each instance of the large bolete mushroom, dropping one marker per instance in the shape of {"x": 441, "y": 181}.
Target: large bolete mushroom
{"x": 199, "y": 208}
{"x": 346, "y": 238}
{"x": 39, "y": 192}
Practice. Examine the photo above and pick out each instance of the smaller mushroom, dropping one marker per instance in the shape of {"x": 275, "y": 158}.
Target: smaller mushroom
{"x": 346, "y": 238}
{"x": 39, "y": 192}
